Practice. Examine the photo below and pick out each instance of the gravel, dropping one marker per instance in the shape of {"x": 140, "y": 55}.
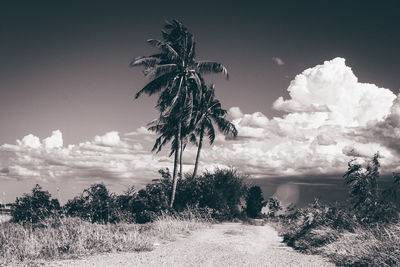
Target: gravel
{"x": 226, "y": 244}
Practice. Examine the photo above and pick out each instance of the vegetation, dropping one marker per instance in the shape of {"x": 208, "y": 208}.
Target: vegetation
{"x": 100, "y": 221}
{"x": 254, "y": 202}
{"x": 35, "y": 207}
{"x": 71, "y": 237}
{"x": 177, "y": 76}
{"x": 363, "y": 232}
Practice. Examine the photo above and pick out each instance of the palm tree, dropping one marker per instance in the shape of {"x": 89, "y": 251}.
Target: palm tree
{"x": 176, "y": 75}
{"x": 211, "y": 112}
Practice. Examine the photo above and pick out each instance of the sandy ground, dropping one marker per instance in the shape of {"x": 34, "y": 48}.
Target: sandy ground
{"x": 227, "y": 244}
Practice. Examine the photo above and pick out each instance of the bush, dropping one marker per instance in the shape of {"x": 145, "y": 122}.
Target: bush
{"x": 221, "y": 192}
{"x": 316, "y": 225}
{"x": 94, "y": 204}
{"x": 254, "y": 202}
{"x": 273, "y": 206}
{"x": 368, "y": 203}
{"x": 34, "y": 207}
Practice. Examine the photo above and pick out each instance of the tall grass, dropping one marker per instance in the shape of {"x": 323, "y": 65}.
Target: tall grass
{"x": 72, "y": 237}
{"x": 377, "y": 245}
{"x": 334, "y": 233}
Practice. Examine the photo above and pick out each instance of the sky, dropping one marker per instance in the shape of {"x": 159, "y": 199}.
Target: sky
{"x": 312, "y": 85}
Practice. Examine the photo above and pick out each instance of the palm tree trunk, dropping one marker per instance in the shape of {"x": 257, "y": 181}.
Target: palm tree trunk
{"x": 177, "y": 151}
{"x": 198, "y": 152}
{"x": 180, "y": 159}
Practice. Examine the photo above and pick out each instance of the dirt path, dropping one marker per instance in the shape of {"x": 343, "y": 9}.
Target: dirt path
{"x": 227, "y": 244}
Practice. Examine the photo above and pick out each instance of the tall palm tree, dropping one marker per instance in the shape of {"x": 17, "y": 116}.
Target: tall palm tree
{"x": 176, "y": 75}
{"x": 210, "y": 113}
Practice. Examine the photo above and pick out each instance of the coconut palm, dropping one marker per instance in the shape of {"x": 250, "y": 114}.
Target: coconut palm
{"x": 210, "y": 113}
{"x": 176, "y": 75}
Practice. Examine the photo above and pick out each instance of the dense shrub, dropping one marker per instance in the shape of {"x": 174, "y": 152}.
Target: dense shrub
{"x": 221, "y": 191}
{"x": 34, "y": 207}
{"x": 94, "y": 204}
{"x": 254, "y": 202}
{"x": 274, "y": 206}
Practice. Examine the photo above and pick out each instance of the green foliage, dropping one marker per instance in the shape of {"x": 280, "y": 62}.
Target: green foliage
{"x": 254, "y": 202}
{"x": 34, "y": 207}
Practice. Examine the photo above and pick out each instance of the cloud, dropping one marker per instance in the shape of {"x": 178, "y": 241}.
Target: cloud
{"x": 278, "y": 61}
{"x": 106, "y": 157}
{"x": 109, "y": 139}
{"x": 29, "y": 141}
{"x": 54, "y": 141}
{"x": 333, "y": 88}
{"x": 331, "y": 118}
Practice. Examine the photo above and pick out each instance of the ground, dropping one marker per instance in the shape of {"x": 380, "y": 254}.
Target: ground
{"x": 226, "y": 244}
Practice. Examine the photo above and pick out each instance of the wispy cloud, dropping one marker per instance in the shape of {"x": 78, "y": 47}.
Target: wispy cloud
{"x": 278, "y": 61}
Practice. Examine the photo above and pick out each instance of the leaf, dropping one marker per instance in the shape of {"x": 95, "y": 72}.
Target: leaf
{"x": 156, "y": 85}
{"x": 165, "y": 47}
{"x": 206, "y": 67}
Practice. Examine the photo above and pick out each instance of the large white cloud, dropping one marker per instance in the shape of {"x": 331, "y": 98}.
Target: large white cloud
{"x": 334, "y": 89}
{"x": 331, "y": 118}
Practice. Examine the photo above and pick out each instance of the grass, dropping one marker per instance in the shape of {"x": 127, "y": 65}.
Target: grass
{"x": 368, "y": 246}
{"x": 317, "y": 230}
{"x": 73, "y": 237}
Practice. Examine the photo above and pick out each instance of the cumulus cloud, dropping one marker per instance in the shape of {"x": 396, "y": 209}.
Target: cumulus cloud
{"x": 109, "y": 139}
{"x": 278, "y": 61}
{"x": 54, "y": 141}
{"x": 106, "y": 157}
{"x": 331, "y": 118}
{"x": 334, "y": 89}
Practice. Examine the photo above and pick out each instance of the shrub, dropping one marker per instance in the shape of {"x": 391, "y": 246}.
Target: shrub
{"x": 150, "y": 201}
{"x": 34, "y": 207}
{"x": 254, "y": 202}
{"x": 368, "y": 203}
{"x": 221, "y": 192}
{"x": 273, "y": 206}
{"x": 316, "y": 225}
{"x": 94, "y": 204}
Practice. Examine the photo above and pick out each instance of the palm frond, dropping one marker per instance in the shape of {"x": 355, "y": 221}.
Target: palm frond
{"x": 162, "y": 69}
{"x": 147, "y": 62}
{"x": 165, "y": 47}
{"x": 156, "y": 85}
{"x": 206, "y": 67}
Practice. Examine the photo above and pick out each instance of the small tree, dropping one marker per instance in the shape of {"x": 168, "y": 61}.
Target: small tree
{"x": 369, "y": 203}
{"x": 34, "y": 207}
{"x": 254, "y": 202}
{"x": 274, "y": 206}
{"x": 94, "y": 204}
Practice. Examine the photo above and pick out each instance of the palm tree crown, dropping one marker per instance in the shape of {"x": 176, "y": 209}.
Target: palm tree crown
{"x": 210, "y": 113}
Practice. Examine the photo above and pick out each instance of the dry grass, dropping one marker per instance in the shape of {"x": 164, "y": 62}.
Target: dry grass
{"x": 373, "y": 246}
{"x": 72, "y": 237}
